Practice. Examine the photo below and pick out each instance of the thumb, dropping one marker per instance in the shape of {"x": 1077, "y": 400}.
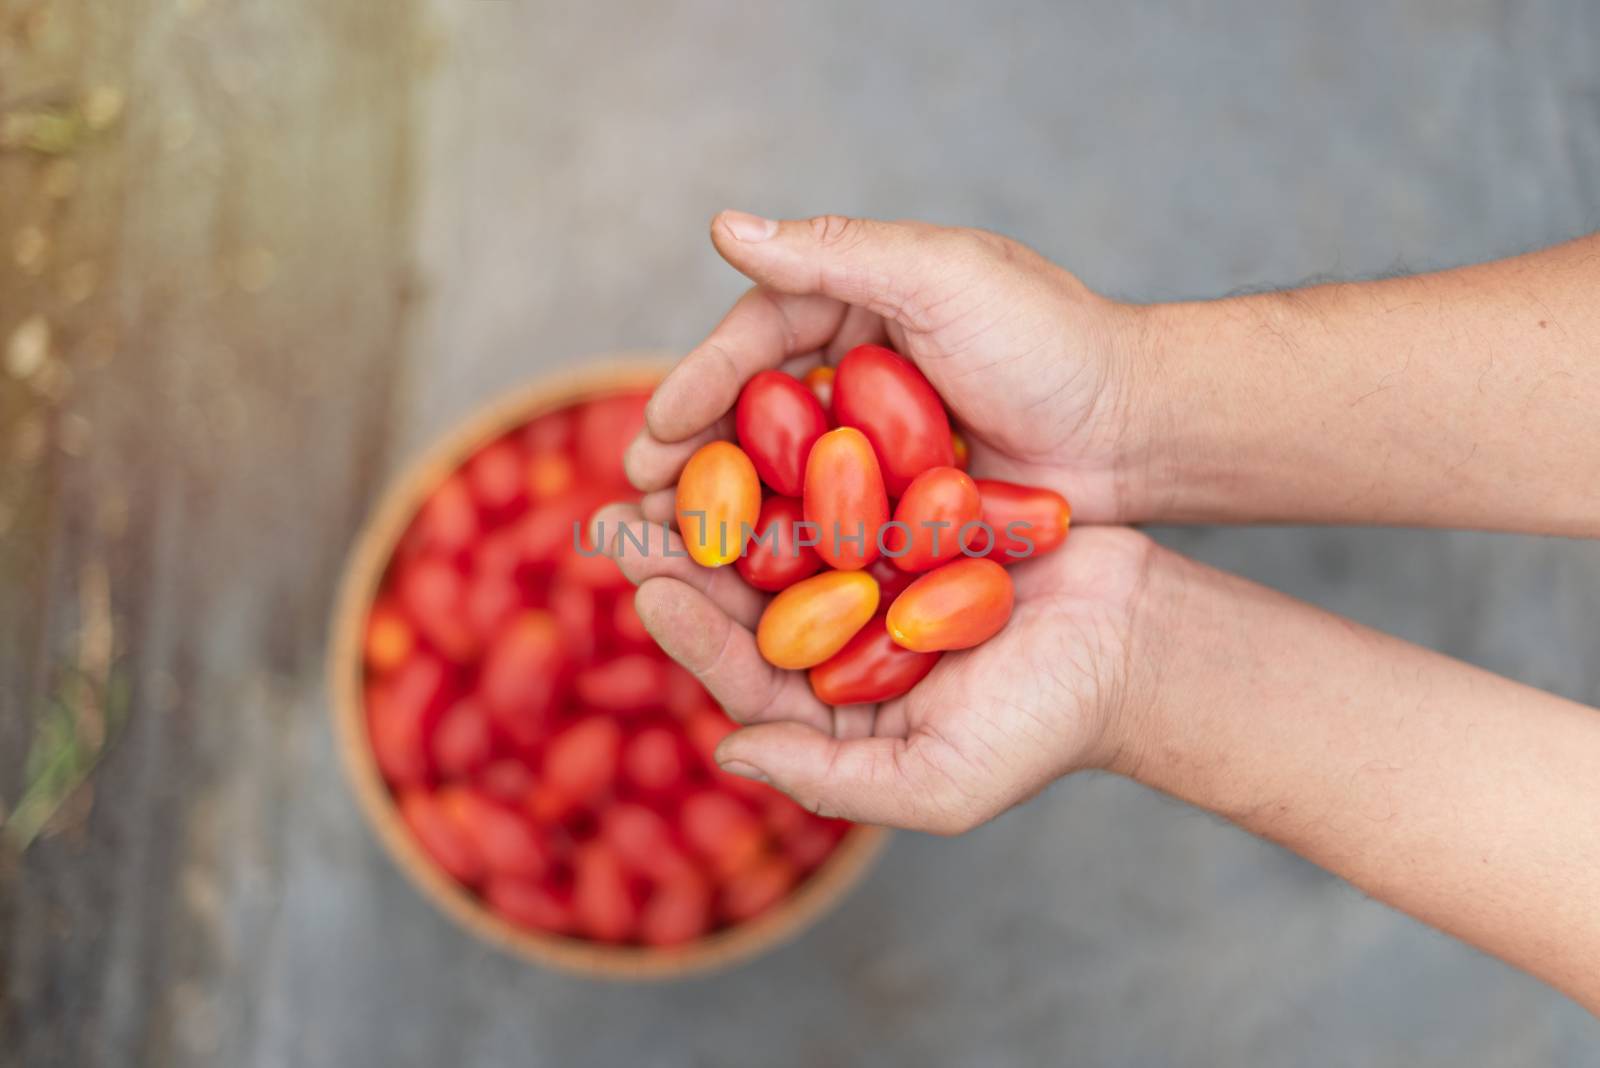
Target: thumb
{"x": 866, "y": 780}
{"x": 865, "y": 262}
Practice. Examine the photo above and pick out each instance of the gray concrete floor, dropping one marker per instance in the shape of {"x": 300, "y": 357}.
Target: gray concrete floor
{"x": 570, "y": 162}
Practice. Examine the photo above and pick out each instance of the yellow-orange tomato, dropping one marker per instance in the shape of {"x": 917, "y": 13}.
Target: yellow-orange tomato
{"x": 820, "y": 379}
{"x": 844, "y": 497}
{"x": 719, "y": 501}
{"x": 958, "y": 445}
{"x": 957, "y": 606}
{"x": 813, "y": 619}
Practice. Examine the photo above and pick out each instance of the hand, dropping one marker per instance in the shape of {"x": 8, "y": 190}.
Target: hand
{"x": 987, "y": 728}
{"x": 1037, "y": 369}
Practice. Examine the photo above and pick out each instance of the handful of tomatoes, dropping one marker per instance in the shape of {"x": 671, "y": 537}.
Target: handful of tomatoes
{"x": 884, "y": 554}
{"x": 540, "y": 747}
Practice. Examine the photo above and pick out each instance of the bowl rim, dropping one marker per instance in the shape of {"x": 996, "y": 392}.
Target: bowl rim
{"x": 372, "y": 548}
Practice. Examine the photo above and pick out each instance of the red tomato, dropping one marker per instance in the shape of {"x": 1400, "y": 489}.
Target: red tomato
{"x": 939, "y": 509}
{"x": 809, "y": 844}
{"x": 757, "y": 888}
{"x": 441, "y": 837}
{"x": 547, "y": 535}
{"x": 573, "y": 605}
{"x": 706, "y": 729}
{"x": 642, "y": 839}
{"x": 624, "y": 684}
{"x": 522, "y": 673}
{"x": 778, "y": 420}
{"x": 720, "y": 829}
{"x": 463, "y": 742}
{"x": 448, "y": 521}
{"x": 626, "y": 626}
{"x": 489, "y": 601}
{"x": 600, "y": 898}
{"x": 871, "y": 668}
{"x": 529, "y": 904}
{"x": 958, "y": 446}
{"x": 719, "y": 501}
{"x": 886, "y": 397}
{"x": 679, "y": 910}
{"x": 602, "y": 433}
{"x": 844, "y": 497}
{"x": 957, "y": 606}
{"x": 653, "y": 759}
{"x": 505, "y": 840}
{"x": 1027, "y": 521}
{"x": 389, "y": 638}
{"x": 400, "y": 714}
{"x": 684, "y": 694}
{"x": 508, "y": 779}
{"x": 580, "y": 763}
{"x": 813, "y": 619}
{"x": 494, "y": 473}
{"x": 891, "y": 580}
{"x": 777, "y": 556}
{"x": 551, "y": 432}
{"x": 434, "y": 595}
{"x": 820, "y": 379}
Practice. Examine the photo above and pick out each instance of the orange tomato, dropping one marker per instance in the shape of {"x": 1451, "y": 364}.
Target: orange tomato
{"x": 963, "y": 454}
{"x": 389, "y": 638}
{"x": 845, "y": 499}
{"x": 957, "y": 606}
{"x": 820, "y": 379}
{"x": 719, "y": 500}
{"x": 936, "y": 510}
{"x": 813, "y": 619}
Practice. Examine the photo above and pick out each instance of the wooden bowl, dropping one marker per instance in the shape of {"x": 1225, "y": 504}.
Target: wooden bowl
{"x": 369, "y": 559}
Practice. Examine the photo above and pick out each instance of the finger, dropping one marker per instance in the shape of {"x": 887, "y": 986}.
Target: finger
{"x": 645, "y": 550}
{"x": 868, "y": 780}
{"x": 692, "y": 630}
{"x": 661, "y": 507}
{"x": 763, "y": 329}
{"x": 653, "y": 464}
{"x": 875, "y": 265}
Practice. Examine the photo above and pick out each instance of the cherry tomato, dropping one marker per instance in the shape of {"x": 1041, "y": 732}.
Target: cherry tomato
{"x": 886, "y": 397}
{"x": 602, "y": 432}
{"x": 448, "y": 522}
{"x": 547, "y": 535}
{"x": 522, "y": 673}
{"x": 552, "y": 432}
{"x": 719, "y": 501}
{"x": 653, "y": 759}
{"x": 400, "y": 715}
{"x": 441, "y": 837}
{"x": 434, "y": 595}
{"x": 489, "y": 600}
{"x": 600, "y": 898}
{"x": 573, "y": 605}
{"x": 623, "y": 684}
{"x": 813, "y": 619}
{"x": 723, "y": 831}
{"x": 845, "y": 499}
{"x": 494, "y": 474}
{"x": 529, "y": 904}
{"x": 508, "y": 779}
{"x": 820, "y": 379}
{"x": 778, "y": 420}
{"x": 936, "y": 509}
{"x": 389, "y": 638}
{"x": 809, "y": 844}
{"x": 870, "y": 668}
{"x": 957, "y": 606}
{"x": 777, "y": 556}
{"x": 626, "y": 627}
{"x": 684, "y": 696}
{"x": 463, "y": 742}
{"x": 642, "y": 839}
{"x": 679, "y": 910}
{"x": 550, "y": 474}
{"x": 706, "y": 729}
{"x": 963, "y": 454}
{"x": 505, "y": 839}
{"x": 1027, "y": 521}
{"x": 580, "y": 763}
{"x": 754, "y": 890}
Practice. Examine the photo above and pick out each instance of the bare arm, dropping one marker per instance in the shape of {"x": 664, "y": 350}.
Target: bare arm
{"x": 1464, "y": 799}
{"x": 1467, "y": 398}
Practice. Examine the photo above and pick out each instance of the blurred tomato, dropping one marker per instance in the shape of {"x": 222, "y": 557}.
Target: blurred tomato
{"x": 624, "y": 684}
{"x": 679, "y": 910}
{"x": 870, "y": 668}
{"x": 939, "y": 509}
{"x": 508, "y": 779}
{"x": 551, "y": 432}
{"x": 845, "y": 499}
{"x": 778, "y": 419}
{"x": 490, "y": 600}
{"x": 653, "y": 759}
{"x": 887, "y": 399}
{"x": 962, "y": 604}
{"x": 550, "y": 474}
{"x": 775, "y": 557}
{"x": 441, "y": 837}
{"x": 505, "y": 839}
{"x": 573, "y": 605}
{"x": 522, "y": 674}
{"x": 434, "y": 595}
{"x": 809, "y": 843}
{"x": 642, "y": 839}
{"x": 627, "y": 629}
{"x": 722, "y": 830}
{"x": 684, "y": 694}
{"x": 463, "y": 742}
{"x": 549, "y": 534}
{"x": 602, "y": 433}
{"x": 756, "y": 888}
{"x": 580, "y": 763}
{"x": 389, "y": 637}
{"x": 600, "y": 898}
{"x": 494, "y": 474}
{"x": 718, "y": 503}
{"x": 400, "y": 715}
{"x": 813, "y": 619}
{"x": 448, "y": 522}
{"x": 529, "y": 904}
{"x": 1027, "y": 521}
{"x": 706, "y": 729}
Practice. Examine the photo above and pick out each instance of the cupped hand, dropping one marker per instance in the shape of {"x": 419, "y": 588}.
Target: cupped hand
{"x": 987, "y": 728}
{"x": 1039, "y": 371}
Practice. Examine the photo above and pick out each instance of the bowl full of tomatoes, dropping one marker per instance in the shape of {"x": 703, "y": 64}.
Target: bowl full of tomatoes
{"x": 527, "y": 755}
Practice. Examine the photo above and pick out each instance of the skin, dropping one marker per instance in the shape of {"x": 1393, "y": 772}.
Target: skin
{"x": 1465, "y": 398}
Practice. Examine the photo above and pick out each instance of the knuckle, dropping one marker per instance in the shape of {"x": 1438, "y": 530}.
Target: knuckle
{"x": 835, "y": 231}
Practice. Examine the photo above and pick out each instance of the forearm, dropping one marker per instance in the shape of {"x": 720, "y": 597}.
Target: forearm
{"x": 1467, "y": 800}
{"x": 1466, "y": 398}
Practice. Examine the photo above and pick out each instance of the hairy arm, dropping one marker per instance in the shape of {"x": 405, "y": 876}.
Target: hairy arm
{"x": 1467, "y": 398}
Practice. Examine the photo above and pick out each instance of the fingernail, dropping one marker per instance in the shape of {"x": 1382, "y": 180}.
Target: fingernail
{"x": 746, "y": 227}
{"x": 744, "y": 771}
